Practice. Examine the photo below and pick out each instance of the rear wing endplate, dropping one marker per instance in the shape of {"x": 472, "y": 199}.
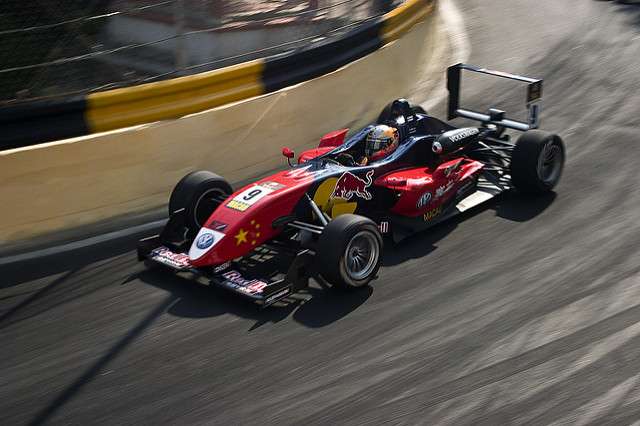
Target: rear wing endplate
{"x": 534, "y": 96}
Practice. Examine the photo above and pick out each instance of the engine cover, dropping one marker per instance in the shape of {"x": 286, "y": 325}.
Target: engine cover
{"x": 453, "y": 140}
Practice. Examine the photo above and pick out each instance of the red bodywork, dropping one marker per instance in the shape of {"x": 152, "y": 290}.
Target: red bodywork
{"x": 333, "y": 139}
{"x": 313, "y": 153}
{"x": 327, "y": 143}
{"x": 246, "y": 218}
{"x": 247, "y": 229}
{"x": 441, "y": 184}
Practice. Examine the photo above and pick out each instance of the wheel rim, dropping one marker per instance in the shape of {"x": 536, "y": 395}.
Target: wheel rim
{"x": 550, "y": 163}
{"x": 361, "y": 255}
{"x": 206, "y": 204}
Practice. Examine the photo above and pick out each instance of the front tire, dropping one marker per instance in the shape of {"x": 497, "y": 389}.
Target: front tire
{"x": 537, "y": 162}
{"x": 350, "y": 251}
{"x": 199, "y": 193}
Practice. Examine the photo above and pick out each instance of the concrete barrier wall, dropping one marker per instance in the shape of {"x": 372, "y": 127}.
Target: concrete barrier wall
{"x": 77, "y": 182}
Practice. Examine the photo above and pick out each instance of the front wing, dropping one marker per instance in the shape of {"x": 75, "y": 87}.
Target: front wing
{"x": 265, "y": 276}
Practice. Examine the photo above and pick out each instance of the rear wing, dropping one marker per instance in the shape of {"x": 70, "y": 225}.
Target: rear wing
{"x": 497, "y": 117}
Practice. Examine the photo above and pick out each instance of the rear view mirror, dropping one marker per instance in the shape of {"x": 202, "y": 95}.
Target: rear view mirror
{"x": 288, "y": 153}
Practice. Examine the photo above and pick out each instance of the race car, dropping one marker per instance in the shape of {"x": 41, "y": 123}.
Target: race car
{"x": 329, "y": 214}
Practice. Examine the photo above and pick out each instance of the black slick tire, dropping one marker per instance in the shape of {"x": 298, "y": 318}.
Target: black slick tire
{"x": 346, "y": 239}
{"x": 537, "y": 162}
{"x": 198, "y": 193}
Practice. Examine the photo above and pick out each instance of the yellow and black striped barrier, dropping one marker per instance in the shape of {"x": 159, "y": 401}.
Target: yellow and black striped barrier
{"x": 44, "y": 121}
{"x": 174, "y": 98}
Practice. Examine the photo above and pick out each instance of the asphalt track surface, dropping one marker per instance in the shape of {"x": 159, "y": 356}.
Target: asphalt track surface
{"x": 522, "y": 312}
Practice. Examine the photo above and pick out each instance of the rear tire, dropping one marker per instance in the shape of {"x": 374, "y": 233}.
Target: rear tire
{"x": 350, "y": 251}
{"x": 537, "y": 162}
{"x": 199, "y": 194}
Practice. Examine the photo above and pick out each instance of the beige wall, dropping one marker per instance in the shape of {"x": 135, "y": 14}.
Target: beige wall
{"x": 78, "y": 182}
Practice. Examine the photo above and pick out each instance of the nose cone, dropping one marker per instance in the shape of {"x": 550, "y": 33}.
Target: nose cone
{"x": 245, "y": 220}
{"x": 204, "y": 241}
{"x": 214, "y": 247}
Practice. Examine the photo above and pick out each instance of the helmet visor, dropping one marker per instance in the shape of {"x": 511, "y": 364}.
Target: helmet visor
{"x": 376, "y": 144}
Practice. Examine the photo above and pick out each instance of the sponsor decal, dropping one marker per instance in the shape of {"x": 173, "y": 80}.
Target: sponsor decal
{"x": 451, "y": 168}
{"x": 457, "y": 137}
{"x": 249, "y": 197}
{"x": 412, "y": 128}
{"x": 534, "y": 113}
{"x": 235, "y": 280}
{"x": 423, "y": 200}
{"x": 278, "y": 295}
{"x": 431, "y": 214}
{"x": 256, "y": 286}
{"x": 333, "y": 207}
{"x": 384, "y": 227}
{"x": 205, "y": 240}
{"x": 221, "y": 267}
{"x": 443, "y": 189}
{"x": 218, "y": 226}
{"x": 272, "y": 185}
{"x": 238, "y": 205}
{"x": 169, "y": 258}
{"x": 350, "y": 185}
{"x": 250, "y": 235}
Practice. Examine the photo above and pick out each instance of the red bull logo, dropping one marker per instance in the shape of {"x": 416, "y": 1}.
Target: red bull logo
{"x": 349, "y": 185}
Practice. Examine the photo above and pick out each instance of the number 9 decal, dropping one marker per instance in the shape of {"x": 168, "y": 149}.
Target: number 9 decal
{"x": 253, "y": 193}
{"x": 249, "y": 197}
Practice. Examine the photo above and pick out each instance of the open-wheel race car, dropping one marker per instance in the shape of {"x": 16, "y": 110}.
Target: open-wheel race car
{"x": 329, "y": 214}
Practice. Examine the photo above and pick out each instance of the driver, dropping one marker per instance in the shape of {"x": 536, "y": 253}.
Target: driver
{"x": 381, "y": 141}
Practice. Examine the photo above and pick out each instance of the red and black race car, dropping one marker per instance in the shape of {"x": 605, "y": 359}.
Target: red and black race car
{"x": 328, "y": 216}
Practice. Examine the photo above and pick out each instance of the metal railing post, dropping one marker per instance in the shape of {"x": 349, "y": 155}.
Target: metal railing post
{"x": 180, "y": 54}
